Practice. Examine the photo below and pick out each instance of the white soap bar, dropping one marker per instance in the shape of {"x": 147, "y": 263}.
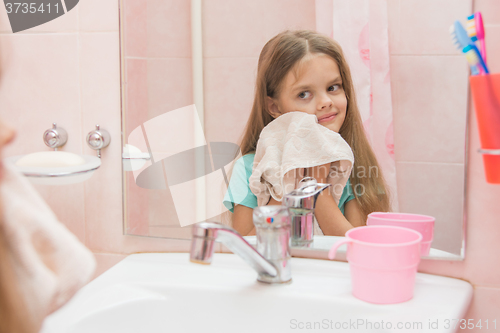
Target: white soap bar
{"x": 50, "y": 159}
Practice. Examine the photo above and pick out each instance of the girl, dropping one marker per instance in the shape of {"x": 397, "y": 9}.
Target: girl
{"x": 306, "y": 71}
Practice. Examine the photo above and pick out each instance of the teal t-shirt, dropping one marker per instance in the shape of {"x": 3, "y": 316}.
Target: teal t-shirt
{"x": 239, "y": 193}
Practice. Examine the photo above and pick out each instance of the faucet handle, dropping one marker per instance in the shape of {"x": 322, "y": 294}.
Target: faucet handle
{"x": 305, "y": 196}
{"x": 307, "y": 181}
{"x": 273, "y": 233}
{"x": 301, "y": 203}
{"x": 271, "y": 217}
{"x": 203, "y": 241}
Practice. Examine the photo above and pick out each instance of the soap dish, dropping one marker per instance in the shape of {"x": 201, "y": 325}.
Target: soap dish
{"x": 55, "y": 167}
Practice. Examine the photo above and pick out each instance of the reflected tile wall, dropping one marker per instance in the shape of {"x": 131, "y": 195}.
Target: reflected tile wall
{"x": 440, "y": 188}
{"x": 157, "y": 59}
{"x": 226, "y": 23}
{"x": 229, "y": 88}
{"x": 135, "y": 27}
{"x": 168, "y": 29}
{"x": 169, "y": 84}
{"x": 231, "y": 50}
{"x": 434, "y": 113}
{"x": 136, "y": 94}
{"x": 482, "y": 246}
{"x": 429, "y": 92}
{"x": 161, "y": 210}
{"x": 419, "y": 19}
{"x": 229, "y": 55}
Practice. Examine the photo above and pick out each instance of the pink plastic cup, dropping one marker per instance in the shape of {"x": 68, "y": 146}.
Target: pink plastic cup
{"x": 421, "y": 223}
{"x": 383, "y": 261}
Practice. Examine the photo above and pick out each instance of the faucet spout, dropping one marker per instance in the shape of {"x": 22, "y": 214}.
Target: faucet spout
{"x": 205, "y": 234}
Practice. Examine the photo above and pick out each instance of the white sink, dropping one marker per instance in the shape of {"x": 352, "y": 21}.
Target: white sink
{"x": 164, "y": 292}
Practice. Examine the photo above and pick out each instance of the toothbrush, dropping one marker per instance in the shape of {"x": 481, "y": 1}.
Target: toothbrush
{"x": 475, "y": 29}
{"x": 472, "y": 59}
{"x": 461, "y": 40}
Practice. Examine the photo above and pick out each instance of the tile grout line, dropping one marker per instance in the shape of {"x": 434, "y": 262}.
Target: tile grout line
{"x": 85, "y": 187}
{"x": 485, "y": 287}
{"x": 431, "y": 163}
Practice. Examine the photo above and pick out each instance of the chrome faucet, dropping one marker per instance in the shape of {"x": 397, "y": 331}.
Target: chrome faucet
{"x": 301, "y": 203}
{"x": 271, "y": 259}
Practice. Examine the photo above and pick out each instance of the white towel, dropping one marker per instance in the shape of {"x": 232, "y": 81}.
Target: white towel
{"x": 50, "y": 263}
{"x": 296, "y": 140}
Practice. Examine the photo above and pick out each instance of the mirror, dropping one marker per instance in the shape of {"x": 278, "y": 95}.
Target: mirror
{"x": 175, "y": 56}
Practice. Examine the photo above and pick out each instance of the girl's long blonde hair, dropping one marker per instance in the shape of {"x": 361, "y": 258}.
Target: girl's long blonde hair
{"x": 278, "y": 57}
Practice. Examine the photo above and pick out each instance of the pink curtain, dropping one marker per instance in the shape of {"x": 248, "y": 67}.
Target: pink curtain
{"x": 361, "y": 28}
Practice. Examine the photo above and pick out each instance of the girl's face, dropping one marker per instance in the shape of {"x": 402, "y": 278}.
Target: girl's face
{"x": 7, "y": 134}
{"x": 317, "y": 90}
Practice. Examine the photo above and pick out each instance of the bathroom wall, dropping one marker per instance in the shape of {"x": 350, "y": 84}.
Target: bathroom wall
{"x": 68, "y": 71}
{"x": 483, "y": 213}
{"x": 480, "y": 266}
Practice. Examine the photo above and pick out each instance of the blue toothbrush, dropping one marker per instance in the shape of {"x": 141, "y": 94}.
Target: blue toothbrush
{"x": 461, "y": 40}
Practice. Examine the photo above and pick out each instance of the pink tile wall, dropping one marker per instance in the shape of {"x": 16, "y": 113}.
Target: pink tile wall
{"x": 68, "y": 71}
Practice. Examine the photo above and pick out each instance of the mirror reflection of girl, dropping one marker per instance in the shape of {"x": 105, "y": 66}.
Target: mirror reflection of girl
{"x": 306, "y": 71}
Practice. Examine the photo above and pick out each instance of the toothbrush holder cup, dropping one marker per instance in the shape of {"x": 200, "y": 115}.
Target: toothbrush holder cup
{"x": 486, "y": 95}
